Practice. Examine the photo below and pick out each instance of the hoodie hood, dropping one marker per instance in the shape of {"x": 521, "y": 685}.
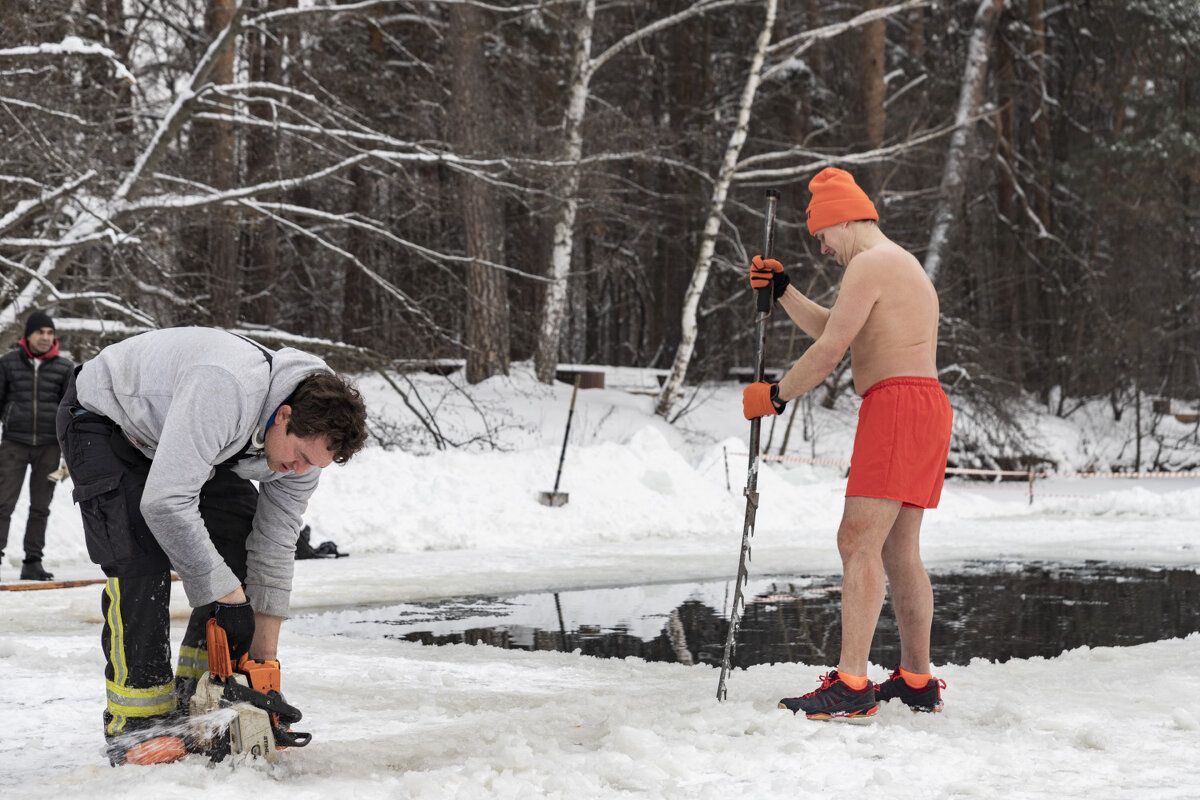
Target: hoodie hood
{"x": 288, "y": 368}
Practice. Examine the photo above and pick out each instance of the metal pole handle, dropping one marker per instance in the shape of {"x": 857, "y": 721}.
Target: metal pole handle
{"x": 766, "y": 294}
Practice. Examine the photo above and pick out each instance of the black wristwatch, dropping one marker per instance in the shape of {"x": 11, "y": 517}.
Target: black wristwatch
{"x": 780, "y": 405}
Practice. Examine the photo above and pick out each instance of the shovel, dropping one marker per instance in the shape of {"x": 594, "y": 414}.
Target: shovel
{"x": 557, "y": 498}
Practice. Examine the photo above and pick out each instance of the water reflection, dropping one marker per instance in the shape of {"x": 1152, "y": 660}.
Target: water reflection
{"x": 994, "y": 611}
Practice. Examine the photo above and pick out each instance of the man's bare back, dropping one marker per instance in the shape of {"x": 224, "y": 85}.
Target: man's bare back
{"x": 899, "y": 336}
{"x": 886, "y": 314}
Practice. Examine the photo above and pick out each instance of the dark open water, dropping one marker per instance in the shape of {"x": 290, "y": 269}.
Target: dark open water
{"x": 994, "y": 611}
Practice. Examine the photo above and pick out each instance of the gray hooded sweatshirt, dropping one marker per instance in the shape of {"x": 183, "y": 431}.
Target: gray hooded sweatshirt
{"x": 189, "y": 399}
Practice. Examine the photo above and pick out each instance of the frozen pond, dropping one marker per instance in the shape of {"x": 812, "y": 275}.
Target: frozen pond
{"x": 990, "y": 610}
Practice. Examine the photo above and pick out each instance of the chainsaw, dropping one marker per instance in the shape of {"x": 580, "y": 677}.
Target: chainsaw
{"x": 261, "y": 718}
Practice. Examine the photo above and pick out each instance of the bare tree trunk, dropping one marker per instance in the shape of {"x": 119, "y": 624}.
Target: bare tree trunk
{"x": 874, "y": 91}
{"x": 487, "y": 320}
{"x": 954, "y": 176}
{"x": 222, "y": 255}
{"x": 266, "y": 65}
{"x": 358, "y": 306}
{"x": 1041, "y": 116}
{"x": 103, "y": 22}
{"x": 1183, "y": 361}
{"x": 688, "y": 325}
{"x": 1006, "y": 309}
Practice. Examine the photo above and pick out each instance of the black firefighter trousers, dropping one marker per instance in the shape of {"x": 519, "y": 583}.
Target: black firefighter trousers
{"x": 145, "y": 698}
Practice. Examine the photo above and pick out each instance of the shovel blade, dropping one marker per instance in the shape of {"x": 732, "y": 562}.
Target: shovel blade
{"x": 553, "y": 499}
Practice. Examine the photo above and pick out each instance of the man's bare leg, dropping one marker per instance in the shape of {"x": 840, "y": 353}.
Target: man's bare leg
{"x": 866, "y": 525}
{"x": 912, "y": 595}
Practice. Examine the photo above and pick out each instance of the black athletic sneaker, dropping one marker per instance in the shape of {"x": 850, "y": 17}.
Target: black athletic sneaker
{"x": 834, "y": 699}
{"x": 927, "y": 698}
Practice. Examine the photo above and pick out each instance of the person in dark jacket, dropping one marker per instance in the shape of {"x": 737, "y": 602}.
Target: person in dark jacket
{"x": 33, "y": 378}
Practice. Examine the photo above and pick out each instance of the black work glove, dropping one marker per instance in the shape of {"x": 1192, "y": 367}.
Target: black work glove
{"x": 237, "y": 620}
{"x": 780, "y": 284}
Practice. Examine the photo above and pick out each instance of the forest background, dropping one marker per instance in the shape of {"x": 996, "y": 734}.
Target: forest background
{"x": 409, "y": 184}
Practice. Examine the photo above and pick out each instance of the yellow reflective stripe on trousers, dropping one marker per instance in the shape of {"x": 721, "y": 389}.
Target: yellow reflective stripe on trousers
{"x": 193, "y": 662}
{"x": 125, "y": 702}
{"x": 129, "y": 702}
{"x": 116, "y": 632}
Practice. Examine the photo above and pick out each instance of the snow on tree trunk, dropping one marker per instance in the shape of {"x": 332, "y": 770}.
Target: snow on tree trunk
{"x": 584, "y": 67}
{"x": 954, "y": 176}
{"x": 688, "y": 325}
{"x": 98, "y": 215}
{"x": 555, "y": 301}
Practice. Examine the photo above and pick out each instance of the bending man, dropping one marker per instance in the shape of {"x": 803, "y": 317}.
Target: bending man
{"x": 163, "y": 434}
{"x": 886, "y": 314}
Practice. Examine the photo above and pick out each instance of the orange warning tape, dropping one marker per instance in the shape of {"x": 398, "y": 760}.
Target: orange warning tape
{"x": 1194, "y": 473}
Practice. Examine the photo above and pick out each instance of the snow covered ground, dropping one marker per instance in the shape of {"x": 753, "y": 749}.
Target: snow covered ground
{"x": 650, "y": 503}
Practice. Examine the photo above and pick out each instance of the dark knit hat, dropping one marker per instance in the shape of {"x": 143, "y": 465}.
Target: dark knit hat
{"x": 37, "y": 320}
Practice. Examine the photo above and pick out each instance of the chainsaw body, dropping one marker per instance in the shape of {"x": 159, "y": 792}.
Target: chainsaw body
{"x": 255, "y": 723}
{"x": 249, "y": 730}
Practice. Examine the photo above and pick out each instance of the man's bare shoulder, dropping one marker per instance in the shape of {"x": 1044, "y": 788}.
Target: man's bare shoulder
{"x": 886, "y": 262}
{"x": 884, "y": 254}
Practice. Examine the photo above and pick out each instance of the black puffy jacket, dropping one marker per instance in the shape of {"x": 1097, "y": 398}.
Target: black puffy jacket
{"x": 29, "y": 399}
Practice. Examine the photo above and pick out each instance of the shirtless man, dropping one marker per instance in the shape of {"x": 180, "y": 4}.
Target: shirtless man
{"x": 886, "y": 313}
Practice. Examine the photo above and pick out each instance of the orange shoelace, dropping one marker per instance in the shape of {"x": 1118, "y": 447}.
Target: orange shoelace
{"x": 830, "y": 678}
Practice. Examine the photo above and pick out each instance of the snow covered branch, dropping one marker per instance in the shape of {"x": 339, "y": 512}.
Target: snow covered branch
{"x": 797, "y": 44}
{"x": 27, "y": 208}
{"x": 71, "y": 46}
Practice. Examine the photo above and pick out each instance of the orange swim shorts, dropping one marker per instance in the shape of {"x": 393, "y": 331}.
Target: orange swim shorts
{"x": 902, "y": 442}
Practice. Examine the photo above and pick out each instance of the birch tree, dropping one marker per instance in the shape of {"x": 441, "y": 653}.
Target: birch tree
{"x": 965, "y": 118}
{"x": 687, "y": 343}
{"x": 554, "y": 303}
{"x": 583, "y": 69}
{"x": 729, "y": 171}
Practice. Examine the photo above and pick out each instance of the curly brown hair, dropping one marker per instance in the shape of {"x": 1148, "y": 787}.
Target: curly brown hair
{"x": 328, "y": 404}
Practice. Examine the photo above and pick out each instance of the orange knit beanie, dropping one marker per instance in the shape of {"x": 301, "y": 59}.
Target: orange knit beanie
{"x": 837, "y": 198}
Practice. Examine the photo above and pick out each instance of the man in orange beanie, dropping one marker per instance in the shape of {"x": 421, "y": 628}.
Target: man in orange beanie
{"x": 886, "y": 314}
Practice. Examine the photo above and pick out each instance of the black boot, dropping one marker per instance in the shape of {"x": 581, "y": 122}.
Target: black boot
{"x": 33, "y": 571}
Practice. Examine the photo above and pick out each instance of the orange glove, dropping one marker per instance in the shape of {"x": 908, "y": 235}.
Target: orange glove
{"x": 768, "y": 272}
{"x": 762, "y": 270}
{"x": 761, "y": 400}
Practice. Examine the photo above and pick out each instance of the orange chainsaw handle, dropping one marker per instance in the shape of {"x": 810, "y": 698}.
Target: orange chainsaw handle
{"x": 219, "y": 662}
